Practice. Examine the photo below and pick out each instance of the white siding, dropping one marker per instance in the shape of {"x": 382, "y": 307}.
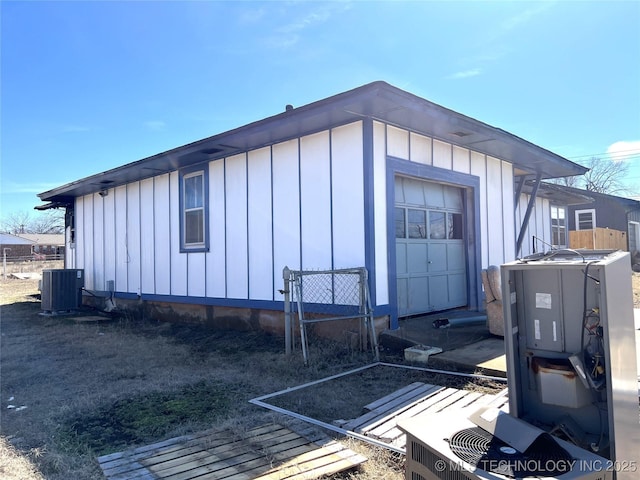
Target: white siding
{"x": 315, "y": 201}
{"x": 421, "y": 149}
{"x": 97, "y": 238}
{"x": 397, "y": 142}
{"x": 162, "y": 236}
{"x": 286, "y": 210}
{"x": 441, "y": 154}
{"x": 259, "y": 221}
{"x": 479, "y": 169}
{"x": 147, "y": 240}
{"x": 196, "y": 268}
{"x": 539, "y": 225}
{"x": 122, "y": 254}
{"x": 79, "y": 234}
{"x": 216, "y": 262}
{"x": 109, "y": 230}
{"x": 496, "y": 233}
{"x": 133, "y": 237}
{"x": 461, "y": 160}
{"x": 178, "y": 260}
{"x": 347, "y": 196}
{"x": 508, "y": 221}
{"x": 236, "y": 213}
{"x": 380, "y": 207}
{"x": 87, "y": 231}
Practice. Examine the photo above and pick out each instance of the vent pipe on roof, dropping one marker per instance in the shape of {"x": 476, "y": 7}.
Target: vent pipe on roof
{"x": 288, "y": 108}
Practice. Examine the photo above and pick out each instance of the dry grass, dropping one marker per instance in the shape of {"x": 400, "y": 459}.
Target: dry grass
{"x": 636, "y": 289}
{"x": 93, "y": 388}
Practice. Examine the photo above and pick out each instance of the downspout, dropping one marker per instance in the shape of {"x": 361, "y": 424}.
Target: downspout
{"x": 527, "y": 215}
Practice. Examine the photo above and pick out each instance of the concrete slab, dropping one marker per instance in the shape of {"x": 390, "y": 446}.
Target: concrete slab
{"x": 487, "y": 354}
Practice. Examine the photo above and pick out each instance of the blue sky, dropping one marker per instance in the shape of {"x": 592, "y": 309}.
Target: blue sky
{"x": 88, "y": 86}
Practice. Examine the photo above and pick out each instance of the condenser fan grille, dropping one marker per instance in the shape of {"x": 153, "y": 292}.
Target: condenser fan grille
{"x": 481, "y": 449}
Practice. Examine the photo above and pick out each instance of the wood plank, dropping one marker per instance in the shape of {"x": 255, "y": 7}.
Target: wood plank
{"x": 394, "y": 432}
{"x": 400, "y": 403}
{"x": 314, "y": 463}
{"x": 392, "y": 396}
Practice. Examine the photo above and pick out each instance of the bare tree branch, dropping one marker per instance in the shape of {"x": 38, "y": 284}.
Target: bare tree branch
{"x": 50, "y": 221}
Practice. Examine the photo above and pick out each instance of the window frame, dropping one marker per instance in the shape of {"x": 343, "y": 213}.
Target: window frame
{"x": 557, "y": 227}
{"x": 185, "y": 174}
{"x": 592, "y": 211}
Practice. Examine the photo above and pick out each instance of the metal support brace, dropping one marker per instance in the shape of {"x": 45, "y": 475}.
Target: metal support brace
{"x": 527, "y": 215}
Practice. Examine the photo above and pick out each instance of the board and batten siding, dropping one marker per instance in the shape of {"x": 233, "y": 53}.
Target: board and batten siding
{"x": 298, "y": 203}
{"x": 497, "y": 223}
{"x": 539, "y": 225}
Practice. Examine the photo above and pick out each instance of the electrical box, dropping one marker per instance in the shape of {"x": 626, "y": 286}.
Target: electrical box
{"x": 571, "y": 353}
{"x": 61, "y": 290}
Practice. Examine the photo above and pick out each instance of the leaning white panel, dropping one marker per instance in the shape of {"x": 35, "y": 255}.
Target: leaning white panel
{"x": 236, "y": 194}
{"x": 259, "y": 222}
{"x": 348, "y": 196}
{"x": 315, "y": 201}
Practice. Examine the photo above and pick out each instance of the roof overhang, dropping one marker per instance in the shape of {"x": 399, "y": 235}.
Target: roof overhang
{"x": 558, "y": 194}
{"x": 378, "y": 101}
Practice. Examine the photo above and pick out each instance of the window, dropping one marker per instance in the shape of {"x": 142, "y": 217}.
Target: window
{"x": 558, "y": 226}
{"x": 585, "y": 219}
{"x": 193, "y": 211}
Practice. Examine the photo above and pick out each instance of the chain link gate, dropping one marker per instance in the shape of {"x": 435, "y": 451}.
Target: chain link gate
{"x": 329, "y": 295}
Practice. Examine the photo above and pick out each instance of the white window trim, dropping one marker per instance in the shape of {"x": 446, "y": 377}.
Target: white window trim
{"x": 592, "y": 211}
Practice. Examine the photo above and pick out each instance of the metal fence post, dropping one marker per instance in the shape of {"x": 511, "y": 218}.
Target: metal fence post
{"x": 286, "y": 275}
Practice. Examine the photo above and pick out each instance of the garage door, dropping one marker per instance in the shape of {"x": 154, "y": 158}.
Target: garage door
{"x": 430, "y": 249}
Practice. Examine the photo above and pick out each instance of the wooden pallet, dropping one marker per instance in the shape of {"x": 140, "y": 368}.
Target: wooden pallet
{"x": 269, "y": 452}
{"x": 380, "y": 419}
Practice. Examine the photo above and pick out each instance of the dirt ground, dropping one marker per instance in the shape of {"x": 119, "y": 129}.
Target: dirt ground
{"x": 75, "y": 389}
{"x": 72, "y": 390}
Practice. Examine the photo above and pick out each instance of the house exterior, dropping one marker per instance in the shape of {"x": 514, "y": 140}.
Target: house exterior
{"x": 618, "y": 214}
{"x": 421, "y": 196}
{"x": 46, "y": 244}
{"x": 14, "y": 246}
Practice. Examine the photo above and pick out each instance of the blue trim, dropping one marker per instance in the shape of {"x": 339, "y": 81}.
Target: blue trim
{"x": 369, "y": 210}
{"x": 471, "y": 184}
{"x": 204, "y": 168}
{"x": 245, "y": 303}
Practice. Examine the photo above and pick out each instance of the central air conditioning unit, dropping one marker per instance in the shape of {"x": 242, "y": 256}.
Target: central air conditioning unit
{"x": 61, "y": 290}
{"x": 493, "y": 445}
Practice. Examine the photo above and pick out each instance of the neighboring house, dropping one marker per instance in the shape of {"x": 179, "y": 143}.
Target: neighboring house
{"x": 13, "y": 246}
{"x": 46, "y": 243}
{"x": 420, "y": 195}
{"x": 619, "y": 214}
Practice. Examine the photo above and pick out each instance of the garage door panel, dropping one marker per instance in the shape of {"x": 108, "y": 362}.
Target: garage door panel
{"x": 416, "y": 257}
{"x": 437, "y": 257}
{"x": 430, "y": 246}
{"x": 401, "y": 258}
{"x": 419, "y": 293}
{"x": 457, "y": 287}
{"x": 438, "y": 291}
{"x": 455, "y": 256}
